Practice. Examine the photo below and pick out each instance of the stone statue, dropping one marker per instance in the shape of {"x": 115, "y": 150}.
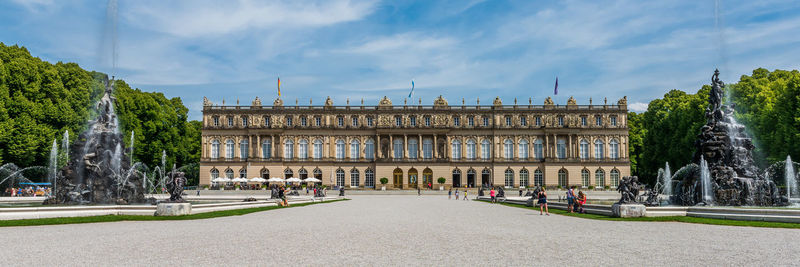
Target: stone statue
{"x": 628, "y": 189}
{"x": 175, "y": 183}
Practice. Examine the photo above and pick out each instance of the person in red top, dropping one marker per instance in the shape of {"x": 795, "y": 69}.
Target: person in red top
{"x": 491, "y": 194}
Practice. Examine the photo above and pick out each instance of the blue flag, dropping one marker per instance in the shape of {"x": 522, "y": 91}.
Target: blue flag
{"x": 412, "y": 89}
{"x": 555, "y": 91}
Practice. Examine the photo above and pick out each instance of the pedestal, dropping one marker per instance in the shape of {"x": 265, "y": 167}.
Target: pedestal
{"x": 628, "y": 210}
{"x": 173, "y": 209}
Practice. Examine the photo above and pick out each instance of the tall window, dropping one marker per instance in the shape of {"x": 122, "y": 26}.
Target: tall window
{"x": 613, "y": 149}
{"x": 266, "y": 121}
{"x": 216, "y": 123}
{"x": 303, "y": 149}
{"x": 427, "y": 120}
{"x": 598, "y": 149}
{"x": 398, "y": 121}
{"x": 598, "y": 120}
{"x": 523, "y": 149}
{"x": 369, "y": 121}
{"x": 289, "y": 121}
{"x": 354, "y": 178}
{"x": 600, "y": 178}
{"x": 471, "y": 121}
{"x": 318, "y": 149}
{"x": 560, "y": 120}
{"x": 340, "y": 121}
{"x": 317, "y": 121}
{"x": 303, "y": 121}
{"x": 538, "y": 178}
{"x": 244, "y": 150}
{"x": 427, "y": 148}
{"x": 215, "y": 149}
{"x": 413, "y": 120}
{"x": 265, "y": 173}
{"x": 508, "y": 120}
{"x": 229, "y": 174}
{"x": 355, "y": 149}
{"x": 355, "y": 121}
{"x": 508, "y": 149}
{"x": 585, "y": 177}
{"x": 303, "y": 173}
{"x": 369, "y": 149}
{"x": 244, "y": 121}
{"x": 229, "y": 149}
{"x": 340, "y": 177}
{"x": 243, "y": 173}
{"x": 523, "y": 178}
{"x": 486, "y": 149}
{"x": 230, "y": 121}
{"x": 214, "y": 173}
{"x": 485, "y": 121}
{"x": 413, "y": 148}
{"x": 561, "y": 149}
{"x": 584, "y": 149}
{"x": 288, "y": 173}
{"x": 456, "y": 149}
{"x": 538, "y": 149}
{"x": 457, "y": 121}
{"x": 471, "y": 149}
{"x": 288, "y": 149}
{"x": 398, "y": 148}
{"x": 562, "y": 178}
{"x": 340, "y": 149}
{"x": 614, "y": 178}
{"x": 266, "y": 149}
{"x": 538, "y": 121}
{"x": 583, "y": 120}
{"x": 369, "y": 178}
{"x": 509, "y": 178}
{"x": 523, "y": 120}
{"x": 613, "y": 120}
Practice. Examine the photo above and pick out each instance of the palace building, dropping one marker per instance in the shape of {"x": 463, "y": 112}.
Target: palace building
{"x": 414, "y": 145}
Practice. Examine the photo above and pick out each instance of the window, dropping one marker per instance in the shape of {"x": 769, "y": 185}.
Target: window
{"x": 303, "y": 174}
{"x": 508, "y": 120}
{"x": 266, "y": 121}
{"x": 598, "y": 149}
{"x": 614, "y": 178}
{"x": 561, "y": 149}
{"x": 486, "y": 149}
{"x": 613, "y": 120}
{"x": 318, "y": 174}
{"x": 369, "y": 178}
{"x": 369, "y": 121}
{"x": 289, "y": 121}
{"x": 485, "y": 121}
{"x": 340, "y": 121}
{"x": 538, "y": 149}
{"x": 538, "y": 178}
{"x": 354, "y": 181}
{"x": 229, "y": 173}
{"x": 318, "y": 149}
{"x": 302, "y": 152}
{"x": 413, "y": 120}
{"x": 288, "y": 173}
{"x": 509, "y": 178}
{"x": 216, "y": 123}
{"x": 215, "y": 149}
{"x": 355, "y": 149}
{"x": 317, "y": 121}
{"x": 340, "y": 177}
{"x": 471, "y": 149}
{"x": 538, "y": 121}
{"x": 244, "y": 122}
{"x": 230, "y": 121}
{"x": 456, "y": 149}
{"x": 427, "y": 148}
{"x": 584, "y": 147}
{"x": 243, "y": 173}
{"x": 428, "y": 121}
{"x": 266, "y": 149}
{"x": 265, "y": 173}
{"x": 585, "y": 178}
{"x": 523, "y": 149}
{"x": 560, "y": 120}
{"x": 583, "y": 120}
{"x": 398, "y": 121}
{"x": 562, "y": 178}
{"x": 523, "y": 120}
{"x": 369, "y": 149}
{"x": 244, "y": 150}
{"x": 413, "y": 148}
{"x": 229, "y": 149}
{"x": 303, "y": 121}
{"x": 340, "y": 149}
{"x": 613, "y": 149}
{"x": 598, "y": 120}
{"x": 523, "y": 178}
{"x": 288, "y": 149}
{"x": 508, "y": 149}
{"x": 456, "y": 121}
{"x": 214, "y": 173}
{"x": 398, "y": 148}
{"x": 600, "y": 178}
{"x": 471, "y": 121}
{"x": 355, "y": 121}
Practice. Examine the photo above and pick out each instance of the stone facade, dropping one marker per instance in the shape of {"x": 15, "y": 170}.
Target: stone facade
{"x": 413, "y": 145}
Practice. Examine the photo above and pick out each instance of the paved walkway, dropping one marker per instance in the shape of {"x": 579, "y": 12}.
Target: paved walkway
{"x": 397, "y": 230}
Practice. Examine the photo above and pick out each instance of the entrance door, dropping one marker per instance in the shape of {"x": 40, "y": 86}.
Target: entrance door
{"x": 427, "y": 178}
{"x": 456, "y": 178}
{"x": 471, "y": 178}
{"x": 486, "y": 178}
{"x": 413, "y": 178}
{"x": 397, "y": 178}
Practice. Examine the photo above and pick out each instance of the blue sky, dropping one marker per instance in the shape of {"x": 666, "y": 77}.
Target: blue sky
{"x": 368, "y": 49}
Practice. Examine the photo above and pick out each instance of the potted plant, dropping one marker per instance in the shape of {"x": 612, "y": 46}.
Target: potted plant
{"x": 441, "y": 181}
{"x": 237, "y": 186}
{"x": 606, "y": 187}
{"x": 591, "y": 187}
{"x": 384, "y": 181}
{"x": 205, "y": 187}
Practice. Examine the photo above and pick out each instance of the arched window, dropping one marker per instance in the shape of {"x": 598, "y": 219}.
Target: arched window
{"x": 317, "y": 149}
{"x": 354, "y": 178}
{"x": 600, "y": 178}
{"x": 214, "y": 173}
{"x": 427, "y": 148}
{"x": 413, "y": 147}
{"x": 215, "y": 150}
{"x": 340, "y": 150}
{"x": 288, "y": 173}
{"x": 229, "y": 149}
{"x": 523, "y": 178}
{"x": 538, "y": 149}
{"x": 266, "y": 149}
{"x": 584, "y": 149}
{"x": 598, "y": 149}
{"x": 303, "y": 173}
{"x": 613, "y": 149}
{"x": 585, "y": 177}
{"x": 509, "y": 178}
{"x": 470, "y": 149}
{"x": 538, "y": 178}
{"x": 243, "y": 173}
{"x": 340, "y": 177}
{"x": 508, "y": 149}
{"x": 288, "y": 149}
{"x": 561, "y": 149}
{"x": 369, "y": 178}
{"x": 456, "y": 149}
{"x": 355, "y": 149}
{"x": 265, "y": 173}
{"x": 369, "y": 149}
{"x": 562, "y": 178}
{"x": 318, "y": 173}
{"x": 615, "y": 178}
{"x": 398, "y": 148}
{"x": 523, "y": 149}
{"x": 244, "y": 149}
{"x": 302, "y": 152}
{"x": 229, "y": 173}
{"x": 486, "y": 149}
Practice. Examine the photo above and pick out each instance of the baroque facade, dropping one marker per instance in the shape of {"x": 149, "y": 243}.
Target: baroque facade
{"x": 414, "y": 145}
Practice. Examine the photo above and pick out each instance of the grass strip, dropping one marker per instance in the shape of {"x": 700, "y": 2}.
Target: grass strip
{"x": 117, "y": 218}
{"x": 684, "y": 219}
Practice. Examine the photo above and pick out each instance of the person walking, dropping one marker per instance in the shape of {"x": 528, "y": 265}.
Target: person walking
{"x": 450, "y": 193}
{"x": 543, "y": 202}
{"x": 465, "y": 194}
{"x": 492, "y": 195}
{"x": 570, "y": 199}
{"x": 419, "y": 192}
{"x": 456, "y": 193}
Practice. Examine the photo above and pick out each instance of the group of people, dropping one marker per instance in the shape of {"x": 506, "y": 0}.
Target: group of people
{"x": 29, "y": 191}
{"x": 575, "y": 202}
{"x": 457, "y": 192}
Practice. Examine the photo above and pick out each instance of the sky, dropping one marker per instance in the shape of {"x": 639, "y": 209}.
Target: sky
{"x": 464, "y": 49}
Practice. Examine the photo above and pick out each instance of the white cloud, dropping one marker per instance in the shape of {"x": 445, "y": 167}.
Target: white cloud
{"x": 638, "y": 107}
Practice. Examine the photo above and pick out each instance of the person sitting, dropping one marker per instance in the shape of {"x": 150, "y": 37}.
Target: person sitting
{"x": 581, "y": 201}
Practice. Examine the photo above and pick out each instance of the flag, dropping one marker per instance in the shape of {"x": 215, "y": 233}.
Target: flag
{"x": 412, "y": 89}
{"x": 279, "y": 86}
{"x": 555, "y": 91}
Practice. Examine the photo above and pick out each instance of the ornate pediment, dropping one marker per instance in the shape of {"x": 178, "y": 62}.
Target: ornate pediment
{"x": 385, "y": 102}
{"x": 440, "y": 102}
{"x": 497, "y": 102}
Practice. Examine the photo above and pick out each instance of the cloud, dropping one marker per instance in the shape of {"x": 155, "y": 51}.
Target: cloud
{"x": 638, "y": 107}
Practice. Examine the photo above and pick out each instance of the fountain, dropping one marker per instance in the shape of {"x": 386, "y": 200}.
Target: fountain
{"x": 791, "y": 179}
{"x": 667, "y": 181}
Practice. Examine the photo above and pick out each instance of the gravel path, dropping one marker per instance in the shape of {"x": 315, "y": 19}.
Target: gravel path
{"x": 397, "y": 230}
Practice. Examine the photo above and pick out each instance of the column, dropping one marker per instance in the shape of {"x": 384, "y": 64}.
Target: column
{"x": 347, "y": 154}
{"x": 378, "y": 147}
{"x": 546, "y": 146}
{"x": 405, "y": 146}
{"x": 569, "y": 146}
{"x": 391, "y": 147}
{"x": 419, "y": 146}
{"x": 447, "y": 147}
{"x": 435, "y": 146}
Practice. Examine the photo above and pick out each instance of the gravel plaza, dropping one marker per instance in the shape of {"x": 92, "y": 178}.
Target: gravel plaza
{"x": 382, "y": 230}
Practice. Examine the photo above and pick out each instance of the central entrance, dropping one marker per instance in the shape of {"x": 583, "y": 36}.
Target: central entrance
{"x": 427, "y": 178}
{"x": 397, "y": 178}
{"x": 456, "y": 178}
{"x": 412, "y": 178}
{"x": 471, "y": 178}
{"x": 486, "y": 178}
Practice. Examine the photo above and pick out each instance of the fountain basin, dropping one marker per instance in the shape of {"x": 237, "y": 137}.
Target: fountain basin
{"x": 173, "y": 209}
